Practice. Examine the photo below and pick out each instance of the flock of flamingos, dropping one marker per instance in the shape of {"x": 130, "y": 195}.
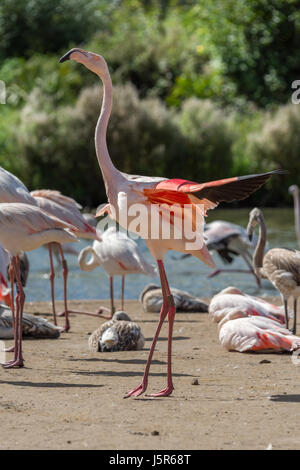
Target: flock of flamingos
{"x": 48, "y": 218}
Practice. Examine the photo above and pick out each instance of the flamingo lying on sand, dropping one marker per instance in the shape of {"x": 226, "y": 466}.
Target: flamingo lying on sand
{"x": 66, "y": 209}
{"x": 24, "y": 227}
{"x": 156, "y": 197}
{"x": 241, "y": 332}
{"x": 280, "y": 265}
{"x": 117, "y": 335}
{"x": 33, "y": 326}
{"x": 151, "y": 298}
{"x": 232, "y": 297}
{"x": 119, "y": 255}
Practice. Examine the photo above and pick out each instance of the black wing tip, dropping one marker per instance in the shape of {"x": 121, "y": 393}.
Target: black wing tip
{"x": 264, "y": 175}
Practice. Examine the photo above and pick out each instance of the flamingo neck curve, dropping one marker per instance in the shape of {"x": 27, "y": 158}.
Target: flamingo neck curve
{"x": 107, "y": 168}
{"x": 260, "y": 248}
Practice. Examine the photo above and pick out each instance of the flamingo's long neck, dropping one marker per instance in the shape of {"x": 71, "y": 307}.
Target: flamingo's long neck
{"x": 260, "y": 248}
{"x": 107, "y": 168}
{"x": 297, "y": 214}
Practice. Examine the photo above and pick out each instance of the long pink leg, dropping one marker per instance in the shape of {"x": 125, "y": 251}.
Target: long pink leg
{"x": 52, "y": 276}
{"x": 18, "y": 360}
{"x": 122, "y": 295}
{"x": 112, "y": 305}
{"x": 12, "y": 281}
{"x": 65, "y": 276}
{"x": 168, "y": 307}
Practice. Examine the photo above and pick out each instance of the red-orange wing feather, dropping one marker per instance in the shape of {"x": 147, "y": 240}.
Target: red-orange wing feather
{"x": 228, "y": 190}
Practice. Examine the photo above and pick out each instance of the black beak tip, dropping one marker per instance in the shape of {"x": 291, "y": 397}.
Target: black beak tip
{"x": 66, "y": 56}
{"x": 63, "y": 59}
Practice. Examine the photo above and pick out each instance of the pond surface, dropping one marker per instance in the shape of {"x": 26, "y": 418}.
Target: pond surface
{"x": 189, "y": 274}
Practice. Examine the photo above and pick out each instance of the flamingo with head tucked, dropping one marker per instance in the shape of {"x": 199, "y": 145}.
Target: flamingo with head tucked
{"x": 231, "y": 298}
{"x": 162, "y": 202}
{"x": 240, "y": 331}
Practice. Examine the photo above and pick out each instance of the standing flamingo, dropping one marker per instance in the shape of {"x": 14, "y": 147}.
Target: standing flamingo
{"x": 294, "y": 190}
{"x": 119, "y": 255}
{"x": 241, "y": 332}
{"x": 65, "y": 209}
{"x": 280, "y": 265}
{"x": 229, "y": 240}
{"x": 26, "y": 227}
{"x": 13, "y": 190}
{"x": 158, "y": 195}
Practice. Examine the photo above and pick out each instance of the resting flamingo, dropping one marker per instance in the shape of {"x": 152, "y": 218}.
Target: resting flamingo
{"x": 119, "y": 255}
{"x": 239, "y": 331}
{"x": 66, "y": 209}
{"x": 232, "y": 297}
{"x": 280, "y": 265}
{"x": 158, "y": 195}
{"x": 26, "y": 227}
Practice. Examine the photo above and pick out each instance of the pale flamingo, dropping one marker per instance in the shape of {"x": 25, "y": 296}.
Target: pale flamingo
{"x": 12, "y": 190}
{"x": 232, "y": 297}
{"x": 294, "y": 190}
{"x": 125, "y": 191}
{"x": 26, "y": 227}
{"x": 66, "y": 209}
{"x": 241, "y": 332}
{"x": 151, "y": 299}
{"x": 118, "y": 255}
{"x": 280, "y": 265}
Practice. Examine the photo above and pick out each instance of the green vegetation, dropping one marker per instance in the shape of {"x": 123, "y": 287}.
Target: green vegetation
{"x": 202, "y": 90}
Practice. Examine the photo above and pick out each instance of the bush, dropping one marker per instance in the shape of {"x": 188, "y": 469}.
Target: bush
{"x": 277, "y": 145}
{"x": 209, "y": 139}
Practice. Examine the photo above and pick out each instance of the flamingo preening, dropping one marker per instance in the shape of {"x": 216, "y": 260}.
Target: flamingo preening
{"x": 25, "y": 227}
{"x": 280, "y": 265}
{"x": 119, "y": 255}
{"x": 162, "y": 203}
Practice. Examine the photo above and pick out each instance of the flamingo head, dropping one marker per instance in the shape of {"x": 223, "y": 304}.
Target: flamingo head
{"x": 254, "y": 217}
{"x": 92, "y": 61}
{"x": 294, "y": 189}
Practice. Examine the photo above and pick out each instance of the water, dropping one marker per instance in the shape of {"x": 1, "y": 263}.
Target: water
{"x": 189, "y": 274}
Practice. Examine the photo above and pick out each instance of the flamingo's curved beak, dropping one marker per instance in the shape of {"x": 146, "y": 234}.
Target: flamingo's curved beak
{"x": 68, "y": 54}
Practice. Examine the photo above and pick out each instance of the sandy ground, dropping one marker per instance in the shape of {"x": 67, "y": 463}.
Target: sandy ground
{"x": 69, "y": 398}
